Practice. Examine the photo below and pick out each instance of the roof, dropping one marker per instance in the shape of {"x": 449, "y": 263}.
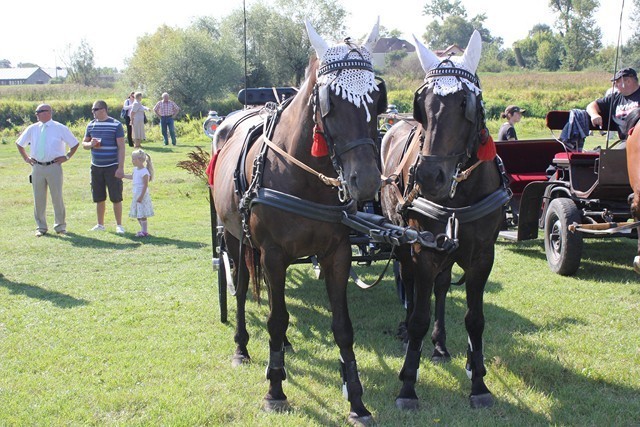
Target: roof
{"x": 454, "y": 49}
{"x": 17, "y": 73}
{"x": 391, "y": 44}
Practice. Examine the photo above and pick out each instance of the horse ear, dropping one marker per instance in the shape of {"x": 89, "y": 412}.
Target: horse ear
{"x": 370, "y": 41}
{"x": 318, "y": 43}
{"x": 471, "y": 57}
{"x": 428, "y": 59}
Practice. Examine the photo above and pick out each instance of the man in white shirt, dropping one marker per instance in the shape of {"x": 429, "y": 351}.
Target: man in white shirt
{"x": 47, "y": 139}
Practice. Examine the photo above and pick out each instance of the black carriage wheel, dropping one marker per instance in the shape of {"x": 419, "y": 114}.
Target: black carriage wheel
{"x": 563, "y": 247}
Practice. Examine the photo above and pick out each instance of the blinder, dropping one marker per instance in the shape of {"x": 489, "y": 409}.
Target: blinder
{"x": 470, "y": 111}
{"x": 381, "y": 107}
{"x": 417, "y": 105}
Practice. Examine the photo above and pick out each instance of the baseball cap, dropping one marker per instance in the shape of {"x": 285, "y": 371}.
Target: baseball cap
{"x": 625, "y": 72}
{"x": 513, "y": 109}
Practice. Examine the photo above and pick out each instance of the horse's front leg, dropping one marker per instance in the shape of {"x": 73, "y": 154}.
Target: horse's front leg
{"x": 439, "y": 335}
{"x": 275, "y": 268}
{"x": 336, "y": 267}
{"x": 417, "y": 327}
{"x": 477, "y": 277}
{"x": 241, "y": 281}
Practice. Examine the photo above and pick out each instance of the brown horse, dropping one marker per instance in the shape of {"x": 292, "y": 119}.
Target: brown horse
{"x": 443, "y": 185}
{"x": 633, "y": 168}
{"x": 291, "y": 189}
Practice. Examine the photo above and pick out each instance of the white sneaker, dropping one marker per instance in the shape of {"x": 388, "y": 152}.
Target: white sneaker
{"x": 119, "y": 229}
{"x": 98, "y": 227}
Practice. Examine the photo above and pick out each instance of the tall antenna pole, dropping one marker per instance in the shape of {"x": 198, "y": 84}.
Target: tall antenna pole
{"x": 244, "y": 8}
{"x": 615, "y": 70}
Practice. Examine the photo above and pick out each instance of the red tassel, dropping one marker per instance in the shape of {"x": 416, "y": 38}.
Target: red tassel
{"x": 212, "y": 167}
{"x": 487, "y": 148}
{"x": 319, "y": 147}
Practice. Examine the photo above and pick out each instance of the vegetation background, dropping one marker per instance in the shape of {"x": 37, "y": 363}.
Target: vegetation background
{"x": 102, "y": 329}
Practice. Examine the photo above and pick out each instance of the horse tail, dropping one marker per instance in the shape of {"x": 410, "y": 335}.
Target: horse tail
{"x": 252, "y": 261}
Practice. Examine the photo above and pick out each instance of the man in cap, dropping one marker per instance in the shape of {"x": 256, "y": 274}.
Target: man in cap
{"x": 618, "y": 103}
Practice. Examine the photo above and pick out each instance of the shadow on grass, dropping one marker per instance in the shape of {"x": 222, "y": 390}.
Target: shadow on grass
{"x": 603, "y": 259}
{"x": 133, "y": 242}
{"x": 59, "y": 299}
{"x": 512, "y": 348}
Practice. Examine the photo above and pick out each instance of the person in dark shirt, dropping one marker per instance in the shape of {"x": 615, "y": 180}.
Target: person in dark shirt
{"x": 513, "y": 114}
{"x": 617, "y": 104}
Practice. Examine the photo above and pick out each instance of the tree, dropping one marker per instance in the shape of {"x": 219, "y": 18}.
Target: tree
{"x": 579, "y": 32}
{"x": 541, "y": 49}
{"x": 190, "y": 64}
{"x": 80, "y": 65}
{"x": 5, "y": 63}
{"x": 451, "y": 25}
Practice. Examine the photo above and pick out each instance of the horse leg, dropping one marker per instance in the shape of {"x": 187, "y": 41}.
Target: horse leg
{"x": 439, "y": 335}
{"x": 635, "y": 211}
{"x": 241, "y": 280}
{"x": 477, "y": 277}
{"x": 417, "y": 327}
{"x": 336, "y": 267}
{"x": 405, "y": 275}
{"x": 275, "y": 270}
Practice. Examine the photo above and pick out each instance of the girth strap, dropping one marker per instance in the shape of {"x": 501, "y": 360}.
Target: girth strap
{"x": 465, "y": 214}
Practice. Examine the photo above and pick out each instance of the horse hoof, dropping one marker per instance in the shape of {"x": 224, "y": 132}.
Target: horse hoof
{"x": 239, "y": 360}
{"x": 273, "y": 405}
{"x": 407, "y": 404}
{"x": 440, "y": 357}
{"x": 636, "y": 264}
{"x": 481, "y": 401}
{"x": 358, "y": 421}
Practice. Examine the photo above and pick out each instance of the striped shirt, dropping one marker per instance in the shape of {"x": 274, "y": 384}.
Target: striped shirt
{"x": 165, "y": 109}
{"x": 109, "y": 130}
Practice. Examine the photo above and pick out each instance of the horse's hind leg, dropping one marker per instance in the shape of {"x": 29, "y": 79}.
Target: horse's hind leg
{"x": 439, "y": 335}
{"x": 275, "y": 269}
{"x": 336, "y": 268}
{"x": 241, "y": 280}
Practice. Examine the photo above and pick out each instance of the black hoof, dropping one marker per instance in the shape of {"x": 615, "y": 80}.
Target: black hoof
{"x": 358, "y": 421}
{"x": 239, "y": 360}
{"x": 481, "y": 401}
{"x": 407, "y": 404}
{"x": 273, "y": 405}
{"x": 440, "y": 357}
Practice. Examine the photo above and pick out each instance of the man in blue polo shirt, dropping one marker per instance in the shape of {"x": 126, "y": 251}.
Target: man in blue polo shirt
{"x": 104, "y": 136}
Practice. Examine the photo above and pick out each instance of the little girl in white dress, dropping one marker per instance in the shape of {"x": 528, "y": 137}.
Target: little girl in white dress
{"x": 141, "y": 207}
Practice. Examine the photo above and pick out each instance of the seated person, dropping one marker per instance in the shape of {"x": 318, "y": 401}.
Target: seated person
{"x": 618, "y": 103}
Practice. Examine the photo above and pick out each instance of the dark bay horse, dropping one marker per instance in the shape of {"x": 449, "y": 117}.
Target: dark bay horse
{"x": 443, "y": 185}
{"x": 311, "y": 161}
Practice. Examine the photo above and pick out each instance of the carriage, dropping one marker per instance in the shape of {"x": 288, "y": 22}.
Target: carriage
{"x": 569, "y": 195}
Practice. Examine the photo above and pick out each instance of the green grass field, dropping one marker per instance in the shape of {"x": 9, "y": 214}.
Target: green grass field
{"x": 102, "y": 329}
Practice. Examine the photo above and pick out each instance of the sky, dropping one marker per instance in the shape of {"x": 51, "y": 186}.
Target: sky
{"x": 49, "y": 32}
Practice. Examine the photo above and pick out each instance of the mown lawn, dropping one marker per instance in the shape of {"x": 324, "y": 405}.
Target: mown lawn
{"x": 102, "y": 329}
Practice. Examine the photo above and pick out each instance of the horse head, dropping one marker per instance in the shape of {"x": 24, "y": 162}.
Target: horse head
{"x": 449, "y": 108}
{"x": 347, "y": 99}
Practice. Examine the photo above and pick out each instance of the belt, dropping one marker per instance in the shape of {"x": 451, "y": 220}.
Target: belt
{"x": 43, "y": 163}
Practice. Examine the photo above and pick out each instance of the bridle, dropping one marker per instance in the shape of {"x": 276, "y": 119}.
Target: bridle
{"x": 474, "y": 113}
{"x": 321, "y": 102}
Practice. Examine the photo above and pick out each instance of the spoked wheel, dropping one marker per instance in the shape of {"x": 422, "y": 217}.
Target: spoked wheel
{"x": 563, "y": 247}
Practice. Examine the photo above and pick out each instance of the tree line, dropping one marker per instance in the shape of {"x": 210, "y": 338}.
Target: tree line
{"x": 207, "y": 62}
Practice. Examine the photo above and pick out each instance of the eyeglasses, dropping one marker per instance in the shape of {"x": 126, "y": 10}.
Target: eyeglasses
{"x": 42, "y": 111}
{"x": 97, "y": 109}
